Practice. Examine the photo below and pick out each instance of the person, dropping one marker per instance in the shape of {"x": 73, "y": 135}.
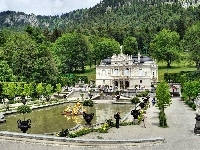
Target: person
{"x": 117, "y": 117}
{"x": 7, "y": 107}
{"x": 144, "y": 118}
{"x": 153, "y": 101}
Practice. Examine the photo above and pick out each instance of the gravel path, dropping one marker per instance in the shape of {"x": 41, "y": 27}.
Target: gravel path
{"x": 179, "y": 135}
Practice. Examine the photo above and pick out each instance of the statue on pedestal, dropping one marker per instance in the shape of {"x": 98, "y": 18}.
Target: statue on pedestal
{"x": 197, "y": 125}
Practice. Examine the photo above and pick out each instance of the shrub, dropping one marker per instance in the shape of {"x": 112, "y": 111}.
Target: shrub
{"x": 104, "y": 128}
{"x": 110, "y": 122}
{"x": 80, "y": 132}
{"x": 190, "y": 104}
{"x": 193, "y": 106}
{"x": 186, "y": 102}
{"x": 24, "y": 109}
{"x": 11, "y": 101}
{"x": 126, "y": 123}
{"x": 117, "y": 93}
{"x": 88, "y": 103}
{"x": 63, "y": 133}
{"x": 135, "y": 100}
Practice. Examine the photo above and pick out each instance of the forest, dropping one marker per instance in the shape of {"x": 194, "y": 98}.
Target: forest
{"x": 46, "y": 48}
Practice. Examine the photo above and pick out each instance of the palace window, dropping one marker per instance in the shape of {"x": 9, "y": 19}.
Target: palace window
{"x": 140, "y": 81}
{"x": 103, "y": 73}
{"x": 140, "y": 72}
{"x": 116, "y": 72}
{"x": 127, "y": 72}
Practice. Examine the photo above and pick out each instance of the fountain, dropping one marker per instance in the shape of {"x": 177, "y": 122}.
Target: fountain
{"x": 77, "y": 109}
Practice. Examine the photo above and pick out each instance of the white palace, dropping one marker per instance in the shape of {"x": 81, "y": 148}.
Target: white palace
{"x": 127, "y": 71}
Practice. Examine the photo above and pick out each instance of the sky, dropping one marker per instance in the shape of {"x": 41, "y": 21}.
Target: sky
{"x": 45, "y": 7}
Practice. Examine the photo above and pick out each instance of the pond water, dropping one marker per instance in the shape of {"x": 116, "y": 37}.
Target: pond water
{"x": 48, "y": 120}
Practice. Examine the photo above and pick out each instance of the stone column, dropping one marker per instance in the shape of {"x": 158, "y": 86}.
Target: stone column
{"x": 197, "y": 125}
{"x": 118, "y": 84}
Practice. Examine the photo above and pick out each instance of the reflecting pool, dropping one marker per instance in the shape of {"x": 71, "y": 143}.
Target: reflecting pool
{"x": 48, "y": 120}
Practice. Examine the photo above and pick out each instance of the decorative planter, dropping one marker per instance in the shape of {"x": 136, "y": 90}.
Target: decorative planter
{"x": 24, "y": 125}
{"x": 88, "y": 117}
{"x": 135, "y": 113}
{"x": 117, "y": 97}
{"x": 142, "y": 105}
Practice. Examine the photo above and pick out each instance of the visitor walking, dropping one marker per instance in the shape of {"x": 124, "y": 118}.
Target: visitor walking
{"x": 144, "y": 116}
{"x": 153, "y": 101}
{"x": 117, "y": 117}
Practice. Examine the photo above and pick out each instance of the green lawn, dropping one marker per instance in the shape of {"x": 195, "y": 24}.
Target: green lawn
{"x": 162, "y": 68}
{"x": 90, "y": 73}
{"x": 175, "y": 68}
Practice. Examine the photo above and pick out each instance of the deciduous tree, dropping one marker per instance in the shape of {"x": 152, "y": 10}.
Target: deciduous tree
{"x": 191, "y": 43}
{"x": 163, "y": 100}
{"x": 130, "y": 46}
{"x": 165, "y": 46}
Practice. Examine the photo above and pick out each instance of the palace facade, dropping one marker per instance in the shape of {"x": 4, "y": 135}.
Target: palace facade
{"x": 127, "y": 71}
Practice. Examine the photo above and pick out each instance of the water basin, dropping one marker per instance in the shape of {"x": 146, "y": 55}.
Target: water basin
{"x": 48, "y": 120}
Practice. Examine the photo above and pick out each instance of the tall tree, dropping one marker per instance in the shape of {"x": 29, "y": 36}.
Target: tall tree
{"x": 20, "y": 53}
{"x": 55, "y": 35}
{"x": 72, "y": 50}
{"x": 45, "y": 68}
{"x": 165, "y": 46}
{"x": 130, "y": 46}
{"x": 28, "y": 60}
{"x": 6, "y": 73}
{"x": 36, "y": 34}
{"x": 106, "y": 48}
{"x": 191, "y": 43}
{"x": 191, "y": 89}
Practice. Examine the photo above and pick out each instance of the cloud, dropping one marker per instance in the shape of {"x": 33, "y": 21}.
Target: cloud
{"x": 46, "y": 7}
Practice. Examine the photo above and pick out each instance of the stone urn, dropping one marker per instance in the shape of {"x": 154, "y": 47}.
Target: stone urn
{"x": 142, "y": 105}
{"x": 88, "y": 117}
{"x": 135, "y": 113}
{"x": 24, "y": 125}
{"x": 117, "y": 97}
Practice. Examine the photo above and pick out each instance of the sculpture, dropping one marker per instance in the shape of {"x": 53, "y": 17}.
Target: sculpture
{"x": 77, "y": 109}
{"x": 197, "y": 102}
{"x": 197, "y": 125}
